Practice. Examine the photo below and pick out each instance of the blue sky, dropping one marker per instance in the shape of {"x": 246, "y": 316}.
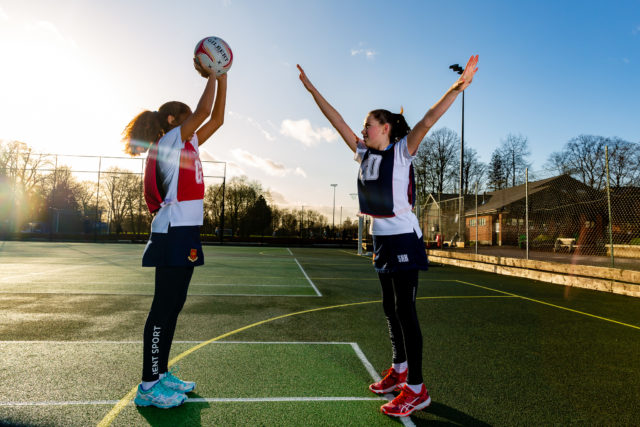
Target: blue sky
{"x": 75, "y": 72}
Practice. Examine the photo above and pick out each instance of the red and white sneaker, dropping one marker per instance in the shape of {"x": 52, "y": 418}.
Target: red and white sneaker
{"x": 392, "y": 380}
{"x": 406, "y": 402}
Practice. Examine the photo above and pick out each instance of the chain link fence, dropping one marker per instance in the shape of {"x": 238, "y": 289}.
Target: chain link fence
{"x": 78, "y": 197}
{"x": 550, "y": 218}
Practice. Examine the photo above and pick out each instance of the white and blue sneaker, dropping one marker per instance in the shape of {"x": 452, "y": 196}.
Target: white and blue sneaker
{"x": 159, "y": 396}
{"x": 174, "y": 383}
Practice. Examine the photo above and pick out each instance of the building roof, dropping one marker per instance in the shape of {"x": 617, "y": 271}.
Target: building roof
{"x": 502, "y": 198}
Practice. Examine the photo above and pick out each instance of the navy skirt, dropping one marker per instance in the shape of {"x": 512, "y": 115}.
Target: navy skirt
{"x": 180, "y": 246}
{"x": 399, "y": 252}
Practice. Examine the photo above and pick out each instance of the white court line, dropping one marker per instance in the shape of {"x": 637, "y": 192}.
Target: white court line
{"x": 354, "y": 346}
{"x": 290, "y": 253}
{"x": 151, "y": 284}
{"x": 68, "y": 267}
{"x": 249, "y": 286}
{"x": 406, "y": 421}
{"x": 305, "y": 275}
{"x": 19, "y": 292}
{"x": 199, "y": 400}
{"x": 183, "y": 342}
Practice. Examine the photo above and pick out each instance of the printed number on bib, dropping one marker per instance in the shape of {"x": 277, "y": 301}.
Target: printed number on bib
{"x": 199, "y": 173}
{"x": 370, "y": 169}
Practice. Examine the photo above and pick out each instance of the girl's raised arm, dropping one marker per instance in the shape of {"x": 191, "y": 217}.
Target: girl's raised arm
{"x": 217, "y": 116}
{"x": 439, "y": 108}
{"x": 330, "y": 113}
{"x": 202, "y": 111}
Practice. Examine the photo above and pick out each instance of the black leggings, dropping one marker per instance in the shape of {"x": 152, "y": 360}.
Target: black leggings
{"x": 172, "y": 284}
{"x": 399, "y": 291}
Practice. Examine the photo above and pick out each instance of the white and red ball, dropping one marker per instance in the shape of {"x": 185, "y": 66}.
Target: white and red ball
{"x": 214, "y": 55}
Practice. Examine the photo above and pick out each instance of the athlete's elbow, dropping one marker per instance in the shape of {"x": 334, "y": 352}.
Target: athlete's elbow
{"x": 200, "y": 115}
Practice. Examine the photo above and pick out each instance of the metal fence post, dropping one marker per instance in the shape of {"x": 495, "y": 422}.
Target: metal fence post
{"x": 477, "y": 225}
{"x": 224, "y": 181}
{"x": 95, "y": 225}
{"x": 606, "y": 161}
{"x": 53, "y": 198}
{"x": 526, "y": 208}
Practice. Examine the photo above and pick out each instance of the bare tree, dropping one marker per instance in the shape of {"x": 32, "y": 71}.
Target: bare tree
{"x": 435, "y": 162}
{"x": 624, "y": 162}
{"x": 474, "y": 170}
{"x": 240, "y": 195}
{"x": 514, "y": 151}
{"x": 583, "y": 158}
{"x": 120, "y": 188}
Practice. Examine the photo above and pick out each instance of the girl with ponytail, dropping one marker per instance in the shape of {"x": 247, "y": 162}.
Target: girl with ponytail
{"x": 386, "y": 191}
{"x": 174, "y": 191}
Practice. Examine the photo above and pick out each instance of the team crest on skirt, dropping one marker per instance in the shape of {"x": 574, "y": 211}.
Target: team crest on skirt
{"x": 193, "y": 255}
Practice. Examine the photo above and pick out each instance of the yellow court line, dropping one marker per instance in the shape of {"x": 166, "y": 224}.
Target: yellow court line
{"x": 551, "y": 305}
{"x": 111, "y": 416}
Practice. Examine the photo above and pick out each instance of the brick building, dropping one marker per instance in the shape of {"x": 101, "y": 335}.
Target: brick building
{"x": 558, "y": 207}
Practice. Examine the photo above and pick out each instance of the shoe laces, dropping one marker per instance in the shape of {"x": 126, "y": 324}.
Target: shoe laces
{"x": 389, "y": 373}
{"x": 407, "y": 393}
{"x": 164, "y": 392}
{"x": 171, "y": 373}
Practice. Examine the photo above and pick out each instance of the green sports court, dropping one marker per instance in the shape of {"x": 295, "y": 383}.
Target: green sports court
{"x": 293, "y": 336}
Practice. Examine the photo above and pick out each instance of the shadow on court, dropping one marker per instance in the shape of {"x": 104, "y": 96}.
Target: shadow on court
{"x": 449, "y": 417}
{"x": 188, "y": 414}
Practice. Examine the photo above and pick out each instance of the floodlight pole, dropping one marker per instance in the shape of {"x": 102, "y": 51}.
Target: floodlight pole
{"x": 456, "y": 68}
{"x": 333, "y": 223}
{"x": 224, "y": 182}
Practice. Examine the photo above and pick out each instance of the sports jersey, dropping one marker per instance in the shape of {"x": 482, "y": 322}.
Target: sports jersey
{"x": 386, "y": 188}
{"x": 173, "y": 182}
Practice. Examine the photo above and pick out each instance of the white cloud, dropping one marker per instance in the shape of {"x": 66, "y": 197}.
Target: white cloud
{"x": 233, "y": 169}
{"x": 302, "y": 131}
{"x": 268, "y": 166}
{"x": 3, "y": 15}
{"x": 301, "y": 172}
{"x": 278, "y": 198}
{"x": 268, "y": 136}
{"x": 367, "y": 53}
{"x": 50, "y": 28}
{"x": 626, "y": 60}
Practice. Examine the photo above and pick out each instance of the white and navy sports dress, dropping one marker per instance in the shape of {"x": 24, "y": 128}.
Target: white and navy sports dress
{"x": 174, "y": 189}
{"x": 386, "y": 192}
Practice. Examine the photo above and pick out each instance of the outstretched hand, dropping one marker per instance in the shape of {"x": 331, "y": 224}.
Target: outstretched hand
{"x": 305, "y": 80}
{"x": 200, "y": 69}
{"x": 467, "y": 75}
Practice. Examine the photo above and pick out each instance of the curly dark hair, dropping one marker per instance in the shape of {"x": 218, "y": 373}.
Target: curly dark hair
{"x": 149, "y": 126}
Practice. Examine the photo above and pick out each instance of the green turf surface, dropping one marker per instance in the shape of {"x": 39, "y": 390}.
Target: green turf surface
{"x": 101, "y": 269}
{"x": 497, "y": 350}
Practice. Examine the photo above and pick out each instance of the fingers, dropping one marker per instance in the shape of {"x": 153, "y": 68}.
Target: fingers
{"x": 198, "y": 66}
{"x": 300, "y": 68}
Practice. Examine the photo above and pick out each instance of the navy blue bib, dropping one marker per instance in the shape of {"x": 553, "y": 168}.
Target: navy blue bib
{"x": 375, "y": 183}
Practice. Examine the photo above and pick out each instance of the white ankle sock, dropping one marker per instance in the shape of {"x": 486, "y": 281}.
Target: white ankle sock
{"x": 400, "y": 367}
{"x": 146, "y": 385}
{"x": 415, "y": 387}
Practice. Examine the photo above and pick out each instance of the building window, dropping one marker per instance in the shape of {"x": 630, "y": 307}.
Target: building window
{"x": 481, "y": 222}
